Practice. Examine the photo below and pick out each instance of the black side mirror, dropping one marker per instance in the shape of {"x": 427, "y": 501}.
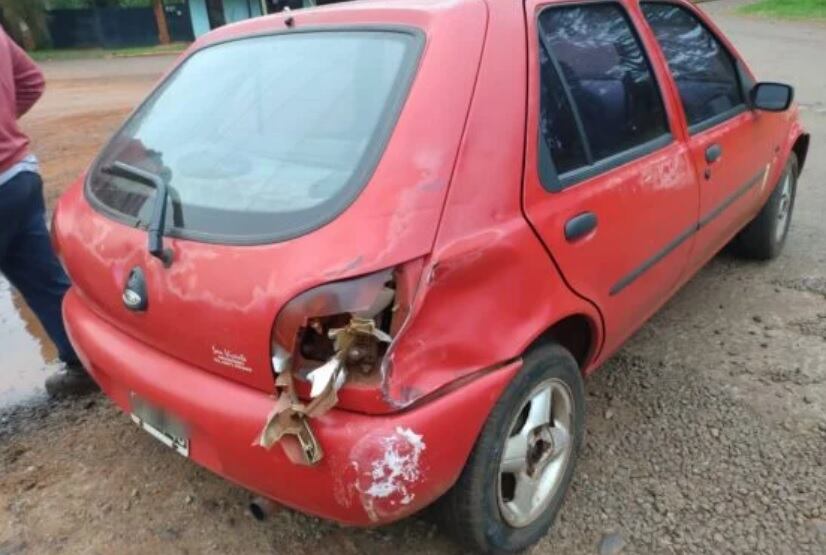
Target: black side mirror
{"x": 771, "y": 97}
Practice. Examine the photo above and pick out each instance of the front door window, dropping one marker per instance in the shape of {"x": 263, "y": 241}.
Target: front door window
{"x": 702, "y": 68}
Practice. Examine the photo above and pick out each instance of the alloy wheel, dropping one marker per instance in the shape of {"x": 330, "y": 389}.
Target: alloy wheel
{"x": 537, "y": 453}
{"x": 784, "y": 207}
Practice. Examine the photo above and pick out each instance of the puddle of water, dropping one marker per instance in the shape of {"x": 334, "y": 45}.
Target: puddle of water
{"x": 27, "y": 356}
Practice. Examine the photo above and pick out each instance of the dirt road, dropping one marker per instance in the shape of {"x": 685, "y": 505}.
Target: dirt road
{"x": 706, "y": 434}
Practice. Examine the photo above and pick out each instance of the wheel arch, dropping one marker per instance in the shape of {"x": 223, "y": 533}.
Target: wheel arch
{"x": 577, "y": 333}
{"x": 801, "y": 149}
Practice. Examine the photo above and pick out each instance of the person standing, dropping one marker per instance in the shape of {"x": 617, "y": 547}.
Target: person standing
{"x": 27, "y": 259}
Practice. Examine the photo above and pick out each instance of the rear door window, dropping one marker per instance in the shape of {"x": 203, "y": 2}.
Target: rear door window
{"x": 263, "y": 139}
{"x": 559, "y": 123}
{"x": 599, "y": 98}
{"x": 704, "y": 71}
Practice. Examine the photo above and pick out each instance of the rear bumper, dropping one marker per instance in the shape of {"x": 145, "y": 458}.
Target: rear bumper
{"x": 376, "y": 469}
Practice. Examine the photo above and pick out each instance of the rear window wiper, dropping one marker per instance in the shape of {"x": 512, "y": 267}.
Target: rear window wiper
{"x": 158, "y": 220}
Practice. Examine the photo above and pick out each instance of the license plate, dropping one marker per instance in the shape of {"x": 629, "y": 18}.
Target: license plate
{"x": 161, "y": 425}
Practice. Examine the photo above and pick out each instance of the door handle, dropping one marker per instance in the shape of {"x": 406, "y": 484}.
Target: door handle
{"x": 713, "y": 153}
{"x": 580, "y": 226}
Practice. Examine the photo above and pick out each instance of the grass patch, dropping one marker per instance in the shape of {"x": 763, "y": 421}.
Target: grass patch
{"x": 791, "y": 9}
{"x": 92, "y": 53}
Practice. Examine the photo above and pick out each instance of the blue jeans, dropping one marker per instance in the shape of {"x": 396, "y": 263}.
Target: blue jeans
{"x": 28, "y": 260}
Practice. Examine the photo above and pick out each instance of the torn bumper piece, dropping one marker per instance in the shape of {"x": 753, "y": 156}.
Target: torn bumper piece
{"x": 376, "y": 469}
{"x": 290, "y": 416}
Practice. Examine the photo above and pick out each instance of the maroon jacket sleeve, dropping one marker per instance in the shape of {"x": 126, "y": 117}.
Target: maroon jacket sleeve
{"x": 28, "y": 79}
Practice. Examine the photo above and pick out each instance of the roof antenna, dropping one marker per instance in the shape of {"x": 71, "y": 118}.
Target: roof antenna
{"x": 290, "y": 21}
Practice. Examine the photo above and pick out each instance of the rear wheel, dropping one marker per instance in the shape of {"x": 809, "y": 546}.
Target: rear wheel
{"x": 515, "y": 480}
{"x": 763, "y": 238}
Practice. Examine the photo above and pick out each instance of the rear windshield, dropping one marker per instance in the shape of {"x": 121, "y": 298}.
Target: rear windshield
{"x": 265, "y": 138}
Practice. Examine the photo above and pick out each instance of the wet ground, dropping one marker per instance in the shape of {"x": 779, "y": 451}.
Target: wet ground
{"x": 706, "y": 434}
{"x": 27, "y": 357}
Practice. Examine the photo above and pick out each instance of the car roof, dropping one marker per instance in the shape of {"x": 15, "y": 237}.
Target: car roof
{"x": 366, "y": 12}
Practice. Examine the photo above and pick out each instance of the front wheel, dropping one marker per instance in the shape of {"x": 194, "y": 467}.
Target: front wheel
{"x": 763, "y": 238}
{"x": 515, "y": 480}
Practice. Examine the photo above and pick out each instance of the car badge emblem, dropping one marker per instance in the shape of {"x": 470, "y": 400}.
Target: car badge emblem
{"x": 134, "y": 294}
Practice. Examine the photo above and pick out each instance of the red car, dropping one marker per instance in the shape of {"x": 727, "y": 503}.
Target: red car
{"x": 360, "y": 258}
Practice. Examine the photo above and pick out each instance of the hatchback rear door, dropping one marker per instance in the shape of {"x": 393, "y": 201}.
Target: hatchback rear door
{"x": 609, "y": 184}
{"x": 294, "y": 156}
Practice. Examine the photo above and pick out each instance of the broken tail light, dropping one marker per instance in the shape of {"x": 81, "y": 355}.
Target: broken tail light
{"x": 328, "y": 348}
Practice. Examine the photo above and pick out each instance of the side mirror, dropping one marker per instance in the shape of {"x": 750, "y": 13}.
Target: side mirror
{"x": 771, "y": 97}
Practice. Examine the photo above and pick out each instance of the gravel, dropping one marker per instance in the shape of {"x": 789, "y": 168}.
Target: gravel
{"x": 706, "y": 434}
{"x": 611, "y": 544}
{"x": 683, "y": 467}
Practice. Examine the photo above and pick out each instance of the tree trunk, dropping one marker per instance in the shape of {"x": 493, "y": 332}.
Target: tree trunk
{"x": 160, "y": 17}
{"x": 25, "y": 22}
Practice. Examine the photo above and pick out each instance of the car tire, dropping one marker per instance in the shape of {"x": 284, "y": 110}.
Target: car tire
{"x": 482, "y": 510}
{"x": 763, "y": 238}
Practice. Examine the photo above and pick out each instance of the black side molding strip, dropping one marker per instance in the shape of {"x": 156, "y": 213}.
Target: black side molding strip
{"x": 648, "y": 264}
{"x": 731, "y": 199}
{"x": 685, "y": 235}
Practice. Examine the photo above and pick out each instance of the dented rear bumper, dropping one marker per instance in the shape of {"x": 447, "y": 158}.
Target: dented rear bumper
{"x": 376, "y": 469}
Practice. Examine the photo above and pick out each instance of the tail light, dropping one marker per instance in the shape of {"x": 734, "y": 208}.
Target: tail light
{"x": 301, "y": 331}
{"x": 328, "y": 349}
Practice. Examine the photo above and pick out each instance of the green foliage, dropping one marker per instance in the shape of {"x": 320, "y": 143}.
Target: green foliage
{"x": 25, "y": 21}
{"x": 77, "y": 4}
{"x": 66, "y": 4}
{"x": 794, "y": 9}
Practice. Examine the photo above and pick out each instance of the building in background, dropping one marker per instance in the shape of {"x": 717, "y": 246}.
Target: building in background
{"x": 117, "y": 23}
{"x": 211, "y": 14}
{"x": 130, "y": 23}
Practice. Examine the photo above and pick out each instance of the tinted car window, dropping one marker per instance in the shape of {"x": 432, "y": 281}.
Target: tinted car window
{"x": 595, "y": 52}
{"x": 263, "y": 137}
{"x": 557, "y": 121}
{"x": 702, "y": 68}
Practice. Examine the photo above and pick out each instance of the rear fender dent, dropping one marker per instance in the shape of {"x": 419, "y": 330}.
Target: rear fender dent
{"x": 482, "y": 300}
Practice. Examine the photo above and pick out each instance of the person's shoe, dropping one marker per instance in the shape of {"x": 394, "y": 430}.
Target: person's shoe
{"x": 71, "y": 381}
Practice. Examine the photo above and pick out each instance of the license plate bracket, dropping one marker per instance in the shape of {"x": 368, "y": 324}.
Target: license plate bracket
{"x": 161, "y": 425}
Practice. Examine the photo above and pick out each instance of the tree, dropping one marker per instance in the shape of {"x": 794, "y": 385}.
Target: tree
{"x": 160, "y": 17}
{"x": 25, "y": 22}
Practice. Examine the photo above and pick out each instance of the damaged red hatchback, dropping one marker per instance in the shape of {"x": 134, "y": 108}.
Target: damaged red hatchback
{"x": 359, "y": 258}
